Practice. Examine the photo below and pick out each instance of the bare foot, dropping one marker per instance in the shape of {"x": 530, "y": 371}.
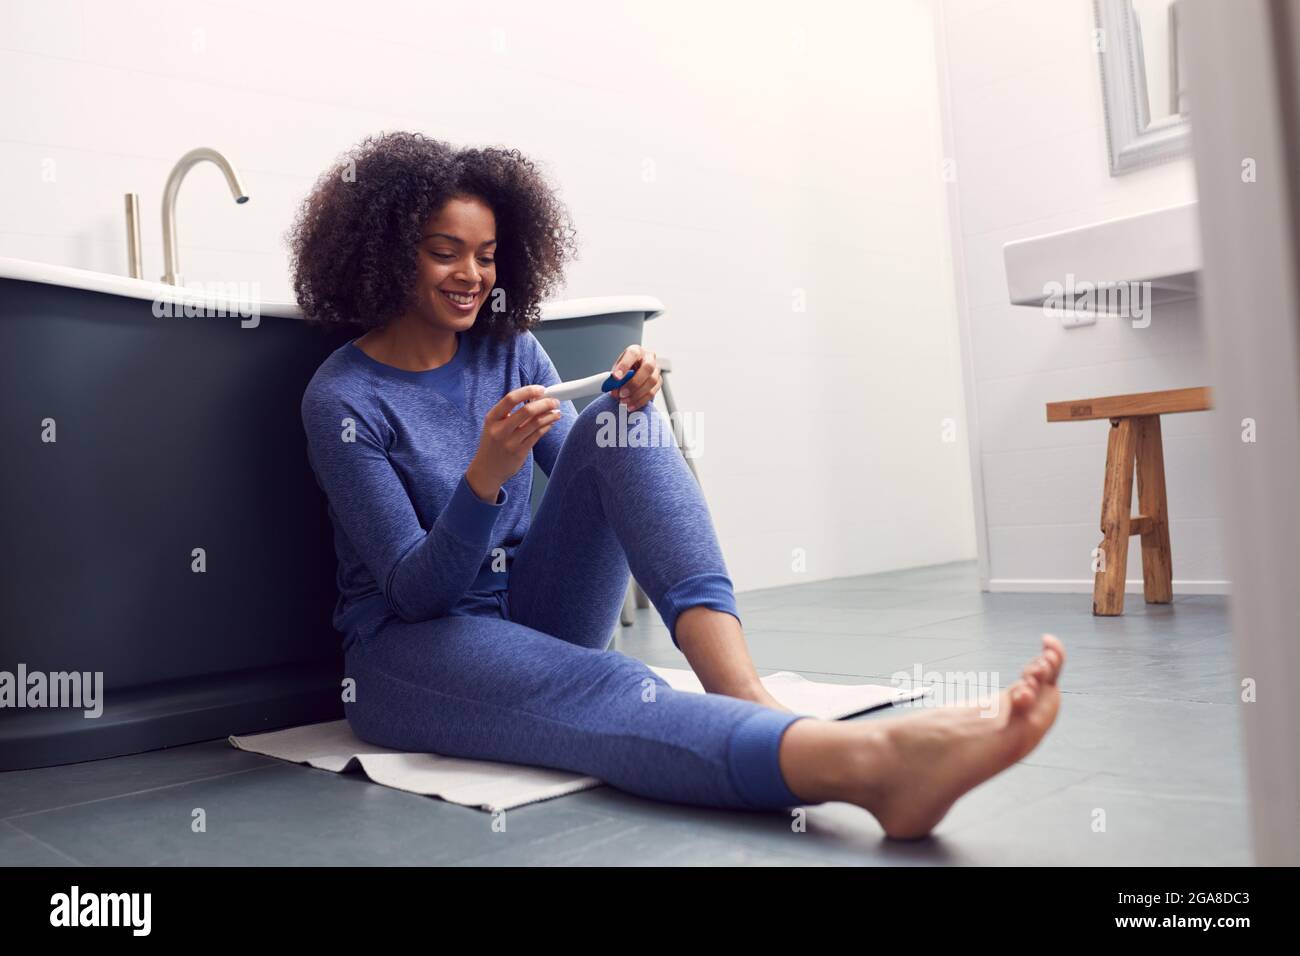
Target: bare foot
{"x": 919, "y": 764}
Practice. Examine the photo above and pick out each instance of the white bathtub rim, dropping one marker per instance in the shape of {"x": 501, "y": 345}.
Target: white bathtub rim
{"x": 86, "y": 279}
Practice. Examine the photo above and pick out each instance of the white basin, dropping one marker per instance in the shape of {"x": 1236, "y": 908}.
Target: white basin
{"x": 1161, "y": 247}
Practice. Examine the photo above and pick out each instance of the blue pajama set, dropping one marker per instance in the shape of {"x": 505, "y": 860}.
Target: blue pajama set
{"x": 476, "y": 630}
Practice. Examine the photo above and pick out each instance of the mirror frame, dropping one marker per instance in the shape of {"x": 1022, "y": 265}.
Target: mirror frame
{"x": 1132, "y": 142}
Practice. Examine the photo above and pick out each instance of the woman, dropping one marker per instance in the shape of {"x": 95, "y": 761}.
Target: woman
{"x": 470, "y": 630}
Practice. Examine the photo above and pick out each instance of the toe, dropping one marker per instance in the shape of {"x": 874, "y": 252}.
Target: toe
{"x": 1052, "y": 642}
{"x": 1053, "y": 665}
{"x": 1036, "y": 668}
{"x": 1022, "y": 695}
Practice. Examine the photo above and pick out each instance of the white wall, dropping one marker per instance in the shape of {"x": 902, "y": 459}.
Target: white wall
{"x": 786, "y": 155}
{"x": 1024, "y": 123}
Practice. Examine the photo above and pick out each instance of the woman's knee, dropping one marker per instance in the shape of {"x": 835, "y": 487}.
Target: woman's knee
{"x": 606, "y": 425}
{"x": 592, "y": 420}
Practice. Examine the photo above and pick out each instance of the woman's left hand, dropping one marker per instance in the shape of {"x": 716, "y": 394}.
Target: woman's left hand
{"x": 645, "y": 384}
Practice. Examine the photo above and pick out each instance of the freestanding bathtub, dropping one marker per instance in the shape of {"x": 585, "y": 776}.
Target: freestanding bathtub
{"x": 172, "y": 434}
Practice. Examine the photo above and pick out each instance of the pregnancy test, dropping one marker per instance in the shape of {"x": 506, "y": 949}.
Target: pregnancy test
{"x": 591, "y": 385}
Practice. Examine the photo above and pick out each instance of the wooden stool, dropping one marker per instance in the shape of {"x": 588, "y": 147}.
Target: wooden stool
{"x": 1134, "y": 438}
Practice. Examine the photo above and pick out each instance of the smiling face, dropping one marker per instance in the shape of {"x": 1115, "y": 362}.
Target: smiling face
{"x": 457, "y": 263}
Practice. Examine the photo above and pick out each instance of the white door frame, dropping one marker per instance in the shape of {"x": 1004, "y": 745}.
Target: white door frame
{"x": 1243, "y": 63}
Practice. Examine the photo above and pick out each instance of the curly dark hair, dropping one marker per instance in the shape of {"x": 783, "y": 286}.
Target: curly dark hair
{"x": 355, "y": 241}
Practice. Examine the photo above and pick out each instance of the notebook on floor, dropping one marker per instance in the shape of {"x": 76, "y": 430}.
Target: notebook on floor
{"x": 490, "y": 786}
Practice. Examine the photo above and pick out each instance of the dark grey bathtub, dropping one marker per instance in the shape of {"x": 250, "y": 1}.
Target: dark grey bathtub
{"x": 175, "y": 434}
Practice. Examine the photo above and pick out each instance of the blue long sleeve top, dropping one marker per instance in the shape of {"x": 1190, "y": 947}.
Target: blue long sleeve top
{"x": 390, "y": 447}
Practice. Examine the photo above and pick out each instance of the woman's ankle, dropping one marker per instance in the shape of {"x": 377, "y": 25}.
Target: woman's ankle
{"x": 828, "y": 760}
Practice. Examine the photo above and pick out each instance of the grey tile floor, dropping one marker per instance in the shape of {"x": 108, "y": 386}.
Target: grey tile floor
{"x": 1147, "y": 743}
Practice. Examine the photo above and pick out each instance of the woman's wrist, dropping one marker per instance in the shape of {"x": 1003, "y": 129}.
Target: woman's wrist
{"x": 484, "y": 488}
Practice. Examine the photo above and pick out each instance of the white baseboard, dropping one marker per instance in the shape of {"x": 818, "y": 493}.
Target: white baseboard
{"x": 1084, "y": 586}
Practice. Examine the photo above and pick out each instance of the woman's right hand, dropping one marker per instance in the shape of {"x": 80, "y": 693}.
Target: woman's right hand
{"x": 508, "y": 438}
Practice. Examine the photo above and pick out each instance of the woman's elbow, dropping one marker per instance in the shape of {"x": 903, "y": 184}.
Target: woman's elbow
{"x": 415, "y": 612}
{"x": 415, "y": 595}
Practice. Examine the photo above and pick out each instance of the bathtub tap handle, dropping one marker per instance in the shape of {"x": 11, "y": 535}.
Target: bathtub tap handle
{"x": 133, "y": 260}
{"x": 174, "y": 178}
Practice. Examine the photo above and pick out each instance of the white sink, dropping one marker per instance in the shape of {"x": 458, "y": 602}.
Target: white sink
{"x": 1161, "y": 247}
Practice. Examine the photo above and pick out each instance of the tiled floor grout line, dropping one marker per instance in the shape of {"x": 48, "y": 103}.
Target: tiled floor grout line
{"x": 33, "y": 837}
{"x": 565, "y": 835}
{"x": 944, "y": 620}
{"x": 1126, "y": 783}
{"x": 118, "y": 796}
{"x": 1129, "y": 783}
{"x": 1021, "y": 807}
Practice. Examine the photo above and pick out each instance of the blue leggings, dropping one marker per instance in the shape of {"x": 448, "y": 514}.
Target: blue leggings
{"x": 524, "y": 676}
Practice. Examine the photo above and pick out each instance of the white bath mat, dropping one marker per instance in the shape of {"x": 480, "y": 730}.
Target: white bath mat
{"x": 500, "y": 786}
